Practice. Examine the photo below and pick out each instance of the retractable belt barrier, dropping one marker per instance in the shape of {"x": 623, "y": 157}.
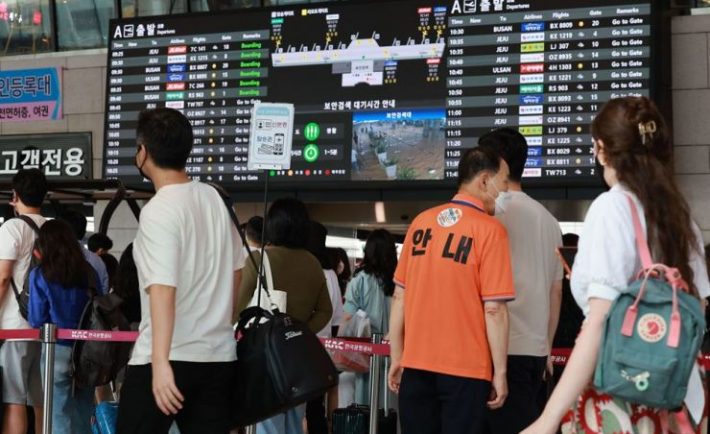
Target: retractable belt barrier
{"x": 375, "y": 347}
{"x": 354, "y": 345}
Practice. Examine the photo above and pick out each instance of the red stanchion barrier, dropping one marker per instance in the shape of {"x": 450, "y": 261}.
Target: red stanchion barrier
{"x": 96, "y": 335}
{"x": 560, "y": 355}
{"x": 357, "y": 345}
{"x": 26, "y": 334}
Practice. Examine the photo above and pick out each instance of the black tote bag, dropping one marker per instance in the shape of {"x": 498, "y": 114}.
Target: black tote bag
{"x": 281, "y": 364}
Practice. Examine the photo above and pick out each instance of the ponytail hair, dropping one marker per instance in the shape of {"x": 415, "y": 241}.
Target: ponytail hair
{"x": 637, "y": 144}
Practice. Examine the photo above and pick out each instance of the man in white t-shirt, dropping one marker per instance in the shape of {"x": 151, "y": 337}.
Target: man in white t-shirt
{"x": 189, "y": 259}
{"x": 20, "y": 360}
{"x": 534, "y": 235}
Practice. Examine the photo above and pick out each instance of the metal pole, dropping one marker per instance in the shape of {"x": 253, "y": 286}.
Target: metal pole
{"x": 375, "y": 366}
{"x": 251, "y": 429}
{"x": 386, "y": 398}
{"x": 49, "y": 339}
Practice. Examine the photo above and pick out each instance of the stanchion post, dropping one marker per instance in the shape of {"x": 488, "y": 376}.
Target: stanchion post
{"x": 375, "y": 368}
{"x": 48, "y": 334}
{"x": 386, "y": 398}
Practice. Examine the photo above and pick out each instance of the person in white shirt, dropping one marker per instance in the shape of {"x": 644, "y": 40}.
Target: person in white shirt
{"x": 20, "y": 360}
{"x": 189, "y": 256}
{"x": 633, "y": 145}
{"x": 534, "y": 235}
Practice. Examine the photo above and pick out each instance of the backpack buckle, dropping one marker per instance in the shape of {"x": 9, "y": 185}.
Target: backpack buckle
{"x": 640, "y": 381}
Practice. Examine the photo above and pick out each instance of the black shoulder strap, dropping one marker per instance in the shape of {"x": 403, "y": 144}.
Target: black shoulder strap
{"x": 31, "y": 223}
{"x": 92, "y": 283}
{"x": 228, "y": 203}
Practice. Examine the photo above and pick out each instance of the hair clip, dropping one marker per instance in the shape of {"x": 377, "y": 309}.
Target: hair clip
{"x": 646, "y": 128}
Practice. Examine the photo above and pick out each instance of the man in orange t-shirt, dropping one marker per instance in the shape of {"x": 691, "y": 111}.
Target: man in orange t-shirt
{"x": 449, "y": 320}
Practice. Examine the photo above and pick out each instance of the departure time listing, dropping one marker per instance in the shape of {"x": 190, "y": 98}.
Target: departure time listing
{"x": 545, "y": 73}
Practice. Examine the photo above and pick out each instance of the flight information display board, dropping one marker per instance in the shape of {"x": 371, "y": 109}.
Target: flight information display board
{"x": 387, "y": 93}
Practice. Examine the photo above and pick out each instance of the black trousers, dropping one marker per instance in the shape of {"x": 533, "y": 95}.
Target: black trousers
{"x": 316, "y": 417}
{"x": 207, "y": 388}
{"x": 431, "y": 403}
{"x": 522, "y": 407}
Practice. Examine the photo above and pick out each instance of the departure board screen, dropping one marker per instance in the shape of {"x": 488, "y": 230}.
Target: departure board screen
{"x": 387, "y": 93}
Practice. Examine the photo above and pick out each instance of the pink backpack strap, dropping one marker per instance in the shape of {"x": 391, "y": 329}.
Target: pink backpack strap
{"x": 641, "y": 242}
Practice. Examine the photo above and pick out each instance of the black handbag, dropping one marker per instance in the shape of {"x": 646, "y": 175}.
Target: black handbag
{"x": 281, "y": 364}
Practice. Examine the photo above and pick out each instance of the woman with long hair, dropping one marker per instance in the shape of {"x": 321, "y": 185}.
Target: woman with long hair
{"x": 58, "y": 295}
{"x": 371, "y": 291}
{"x": 296, "y": 272}
{"x": 633, "y": 145}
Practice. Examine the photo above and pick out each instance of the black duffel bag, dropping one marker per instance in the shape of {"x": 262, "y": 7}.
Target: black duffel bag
{"x": 280, "y": 365}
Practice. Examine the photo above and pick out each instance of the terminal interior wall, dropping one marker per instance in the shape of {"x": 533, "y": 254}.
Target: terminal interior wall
{"x": 691, "y": 112}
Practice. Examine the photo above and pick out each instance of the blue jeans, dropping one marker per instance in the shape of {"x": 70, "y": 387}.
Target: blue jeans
{"x": 290, "y": 422}
{"x": 70, "y": 414}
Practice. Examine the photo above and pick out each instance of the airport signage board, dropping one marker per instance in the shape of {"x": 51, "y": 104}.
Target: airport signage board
{"x": 386, "y": 93}
{"x": 60, "y": 156}
{"x": 30, "y": 95}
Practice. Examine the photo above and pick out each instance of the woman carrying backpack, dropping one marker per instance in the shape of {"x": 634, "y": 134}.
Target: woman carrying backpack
{"x": 58, "y": 295}
{"x": 633, "y": 146}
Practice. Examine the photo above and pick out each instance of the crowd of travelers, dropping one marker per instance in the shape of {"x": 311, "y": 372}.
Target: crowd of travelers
{"x": 472, "y": 307}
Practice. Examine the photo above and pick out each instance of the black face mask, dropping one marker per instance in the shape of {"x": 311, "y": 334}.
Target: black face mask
{"x": 140, "y": 168}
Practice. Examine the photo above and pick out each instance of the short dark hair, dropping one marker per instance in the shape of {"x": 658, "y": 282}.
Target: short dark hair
{"x": 167, "y": 136}
{"x": 254, "y": 228}
{"x": 287, "y": 223}
{"x": 317, "y": 234}
{"x": 570, "y": 239}
{"x": 475, "y": 161}
{"x": 99, "y": 241}
{"x": 30, "y": 185}
{"x": 512, "y": 147}
{"x": 76, "y": 220}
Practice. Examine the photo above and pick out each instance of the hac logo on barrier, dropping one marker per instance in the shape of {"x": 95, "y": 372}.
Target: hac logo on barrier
{"x": 331, "y": 344}
{"x": 88, "y": 334}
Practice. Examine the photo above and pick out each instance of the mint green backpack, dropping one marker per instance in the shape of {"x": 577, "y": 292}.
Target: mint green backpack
{"x": 652, "y": 336}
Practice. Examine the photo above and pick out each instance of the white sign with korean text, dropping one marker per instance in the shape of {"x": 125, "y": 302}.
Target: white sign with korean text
{"x": 271, "y": 136}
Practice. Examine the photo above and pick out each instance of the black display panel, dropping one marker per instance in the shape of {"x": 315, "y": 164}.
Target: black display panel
{"x": 387, "y": 93}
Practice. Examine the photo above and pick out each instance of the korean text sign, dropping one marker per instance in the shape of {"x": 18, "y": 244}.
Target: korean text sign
{"x": 30, "y": 95}
{"x": 59, "y": 156}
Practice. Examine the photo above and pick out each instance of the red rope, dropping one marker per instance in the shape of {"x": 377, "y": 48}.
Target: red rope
{"x": 26, "y": 334}
{"x": 355, "y": 345}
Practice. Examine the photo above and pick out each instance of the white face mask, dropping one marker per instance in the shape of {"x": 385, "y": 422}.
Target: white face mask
{"x": 502, "y": 202}
{"x": 495, "y": 199}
